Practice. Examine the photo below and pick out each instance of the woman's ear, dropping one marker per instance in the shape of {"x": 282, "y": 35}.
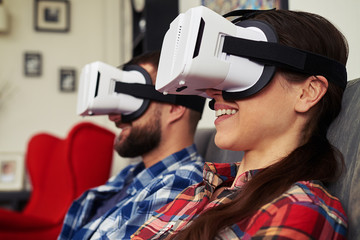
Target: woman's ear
{"x": 311, "y": 91}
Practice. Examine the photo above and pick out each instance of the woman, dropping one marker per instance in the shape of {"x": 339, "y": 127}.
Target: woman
{"x": 276, "y": 191}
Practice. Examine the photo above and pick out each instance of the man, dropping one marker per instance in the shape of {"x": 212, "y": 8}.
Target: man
{"x": 163, "y": 136}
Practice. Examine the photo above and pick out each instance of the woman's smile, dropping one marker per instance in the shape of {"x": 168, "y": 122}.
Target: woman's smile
{"x": 223, "y": 112}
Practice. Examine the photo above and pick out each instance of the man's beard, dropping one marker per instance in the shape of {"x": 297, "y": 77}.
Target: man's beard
{"x": 142, "y": 139}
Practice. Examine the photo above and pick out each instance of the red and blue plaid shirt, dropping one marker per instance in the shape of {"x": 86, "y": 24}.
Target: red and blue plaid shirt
{"x": 305, "y": 211}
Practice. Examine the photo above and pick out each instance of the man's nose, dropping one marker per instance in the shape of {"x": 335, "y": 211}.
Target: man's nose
{"x": 115, "y": 117}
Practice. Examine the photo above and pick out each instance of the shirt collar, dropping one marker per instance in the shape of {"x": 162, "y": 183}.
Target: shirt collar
{"x": 216, "y": 174}
{"x": 163, "y": 166}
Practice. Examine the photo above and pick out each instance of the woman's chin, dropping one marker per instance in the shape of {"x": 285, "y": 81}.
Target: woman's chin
{"x": 222, "y": 141}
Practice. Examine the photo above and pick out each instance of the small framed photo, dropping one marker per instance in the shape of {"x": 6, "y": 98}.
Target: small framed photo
{"x": 12, "y": 172}
{"x": 32, "y": 64}
{"x": 67, "y": 80}
{"x": 52, "y": 15}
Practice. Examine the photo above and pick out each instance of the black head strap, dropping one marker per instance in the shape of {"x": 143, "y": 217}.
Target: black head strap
{"x": 288, "y": 58}
{"x": 148, "y": 92}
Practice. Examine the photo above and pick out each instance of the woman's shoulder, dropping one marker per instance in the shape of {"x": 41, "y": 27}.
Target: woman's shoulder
{"x": 311, "y": 192}
{"x": 306, "y": 210}
{"x": 309, "y": 197}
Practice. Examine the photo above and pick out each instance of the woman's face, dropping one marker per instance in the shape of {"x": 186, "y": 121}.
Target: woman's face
{"x": 258, "y": 121}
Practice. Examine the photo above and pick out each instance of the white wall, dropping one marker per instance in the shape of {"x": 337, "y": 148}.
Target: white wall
{"x": 100, "y": 30}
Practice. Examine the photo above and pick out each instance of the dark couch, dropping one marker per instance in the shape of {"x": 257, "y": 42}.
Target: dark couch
{"x": 344, "y": 133}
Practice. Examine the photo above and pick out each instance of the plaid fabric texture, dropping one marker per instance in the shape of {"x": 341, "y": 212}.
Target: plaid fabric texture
{"x": 305, "y": 211}
{"x": 149, "y": 190}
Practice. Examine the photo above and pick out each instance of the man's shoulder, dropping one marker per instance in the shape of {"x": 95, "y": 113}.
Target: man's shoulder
{"x": 187, "y": 159}
{"x": 184, "y": 166}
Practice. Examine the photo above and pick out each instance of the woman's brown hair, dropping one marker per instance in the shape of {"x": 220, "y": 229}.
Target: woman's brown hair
{"x": 316, "y": 159}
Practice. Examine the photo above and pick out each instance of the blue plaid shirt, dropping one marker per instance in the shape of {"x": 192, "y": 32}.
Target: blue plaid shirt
{"x": 148, "y": 189}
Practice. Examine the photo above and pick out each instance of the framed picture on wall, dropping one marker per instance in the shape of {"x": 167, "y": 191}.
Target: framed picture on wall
{"x": 32, "y": 64}
{"x": 52, "y": 15}
{"x": 12, "y": 172}
{"x": 225, "y": 6}
{"x": 67, "y": 80}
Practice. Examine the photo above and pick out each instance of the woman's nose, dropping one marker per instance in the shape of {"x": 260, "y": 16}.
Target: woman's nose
{"x": 213, "y": 93}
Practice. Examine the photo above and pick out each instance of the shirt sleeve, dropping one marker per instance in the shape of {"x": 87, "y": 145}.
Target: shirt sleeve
{"x": 78, "y": 210}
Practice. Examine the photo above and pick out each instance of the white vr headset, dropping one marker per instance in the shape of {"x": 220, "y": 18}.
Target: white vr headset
{"x": 104, "y": 89}
{"x": 204, "y": 50}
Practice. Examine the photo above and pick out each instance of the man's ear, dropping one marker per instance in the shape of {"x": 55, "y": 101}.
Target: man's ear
{"x": 311, "y": 91}
{"x": 175, "y": 113}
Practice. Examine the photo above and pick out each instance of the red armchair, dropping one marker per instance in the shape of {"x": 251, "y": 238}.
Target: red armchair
{"x": 59, "y": 170}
